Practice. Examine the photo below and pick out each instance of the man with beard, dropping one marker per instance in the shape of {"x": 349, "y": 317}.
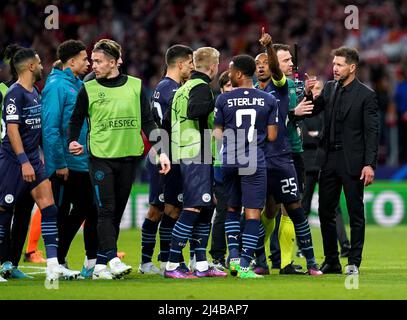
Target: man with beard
{"x": 21, "y": 168}
{"x": 351, "y": 126}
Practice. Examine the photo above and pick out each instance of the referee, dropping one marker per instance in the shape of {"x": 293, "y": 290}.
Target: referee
{"x": 117, "y": 109}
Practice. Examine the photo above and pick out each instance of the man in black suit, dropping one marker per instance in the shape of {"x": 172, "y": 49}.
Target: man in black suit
{"x": 314, "y": 155}
{"x": 351, "y": 142}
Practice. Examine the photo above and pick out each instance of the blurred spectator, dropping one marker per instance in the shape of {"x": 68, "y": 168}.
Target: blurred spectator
{"x": 400, "y": 98}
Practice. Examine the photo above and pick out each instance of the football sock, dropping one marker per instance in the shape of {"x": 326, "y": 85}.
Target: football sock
{"x": 232, "y": 230}
{"x": 148, "y": 232}
{"x": 268, "y": 225}
{"x": 200, "y": 236}
{"x": 250, "y": 238}
{"x": 166, "y": 226}
{"x": 181, "y": 233}
{"x": 303, "y": 233}
{"x": 286, "y": 237}
{"x": 50, "y": 230}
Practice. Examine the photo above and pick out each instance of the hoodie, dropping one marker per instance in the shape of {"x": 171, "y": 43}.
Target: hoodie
{"x": 58, "y": 100}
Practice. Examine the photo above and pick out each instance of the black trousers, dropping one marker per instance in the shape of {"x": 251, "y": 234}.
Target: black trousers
{"x": 311, "y": 179}
{"x": 218, "y": 244}
{"x": 111, "y": 180}
{"x": 75, "y": 202}
{"x": 333, "y": 177}
{"x": 12, "y": 247}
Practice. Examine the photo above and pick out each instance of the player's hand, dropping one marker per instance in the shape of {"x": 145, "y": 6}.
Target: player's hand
{"x": 265, "y": 39}
{"x": 28, "y": 172}
{"x": 62, "y": 173}
{"x": 309, "y": 83}
{"x": 165, "y": 163}
{"x": 75, "y": 148}
{"x": 313, "y": 133}
{"x": 303, "y": 108}
{"x": 367, "y": 175}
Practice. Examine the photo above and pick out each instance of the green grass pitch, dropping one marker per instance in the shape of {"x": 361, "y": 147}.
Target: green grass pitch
{"x": 383, "y": 276}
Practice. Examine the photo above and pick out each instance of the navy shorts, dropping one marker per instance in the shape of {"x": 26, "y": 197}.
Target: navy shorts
{"x": 197, "y": 182}
{"x": 248, "y": 191}
{"x": 156, "y": 191}
{"x": 173, "y": 186}
{"x": 12, "y": 185}
{"x": 282, "y": 182}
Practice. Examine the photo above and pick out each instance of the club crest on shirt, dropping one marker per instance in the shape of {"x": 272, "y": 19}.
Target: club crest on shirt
{"x": 180, "y": 197}
{"x": 206, "y": 197}
{"x": 161, "y": 197}
{"x": 9, "y": 198}
{"x": 99, "y": 175}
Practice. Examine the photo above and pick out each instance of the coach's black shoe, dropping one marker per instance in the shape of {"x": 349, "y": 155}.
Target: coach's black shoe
{"x": 327, "y": 268}
{"x": 291, "y": 269}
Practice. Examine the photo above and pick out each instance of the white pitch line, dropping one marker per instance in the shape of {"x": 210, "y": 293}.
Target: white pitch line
{"x": 39, "y": 272}
{"x": 32, "y": 267}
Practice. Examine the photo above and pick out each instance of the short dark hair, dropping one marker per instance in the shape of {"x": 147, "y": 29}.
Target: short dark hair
{"x": 223, "y": 79}
{"x": 245, "y": 64}
{"x": 22, "y": 56}
{"x": 9, "y": 54}
{"x": 175, "y": 52}
{"x": 279, "y": 46}
{"x": 69, "y": 49}
{"x": 351, "y": 55}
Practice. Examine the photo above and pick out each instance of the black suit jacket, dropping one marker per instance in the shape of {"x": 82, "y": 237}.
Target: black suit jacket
{"x": 313, "y": 153}
{"x": 360, "y": 130}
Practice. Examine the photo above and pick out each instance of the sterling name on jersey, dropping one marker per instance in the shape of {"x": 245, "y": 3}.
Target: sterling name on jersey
{"x": 244, "y": 114}
{"x": 24, "y": 108}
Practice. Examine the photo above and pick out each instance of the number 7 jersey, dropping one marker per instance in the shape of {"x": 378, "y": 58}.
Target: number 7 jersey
{"x": 244, "y": 114}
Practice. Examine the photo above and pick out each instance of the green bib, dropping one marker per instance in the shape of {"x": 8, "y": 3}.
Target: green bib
{"x": 185, "y": 133}
{"x": 3, "y": 90}
{"x": 115, "y": 119}
{"x": 293, "y": 132}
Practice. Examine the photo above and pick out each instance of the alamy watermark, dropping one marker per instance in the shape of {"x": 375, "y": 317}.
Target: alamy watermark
{"x": 239, "y": 151}
{"x": 51, "y": 284}
{"x": 52, "y": 21}
{"x": 352, "y": 282}
{"x": 352, "y": 20}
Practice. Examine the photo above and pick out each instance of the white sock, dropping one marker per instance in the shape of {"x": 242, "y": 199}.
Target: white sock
{"x": 52, "y": 262}
{"x": 202, "y": 266}
{"x": 171, "y": 266}
{"x": 90, "y": 263}
{"x": 163, "y": 265}
{"x": 99, "y": 267}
